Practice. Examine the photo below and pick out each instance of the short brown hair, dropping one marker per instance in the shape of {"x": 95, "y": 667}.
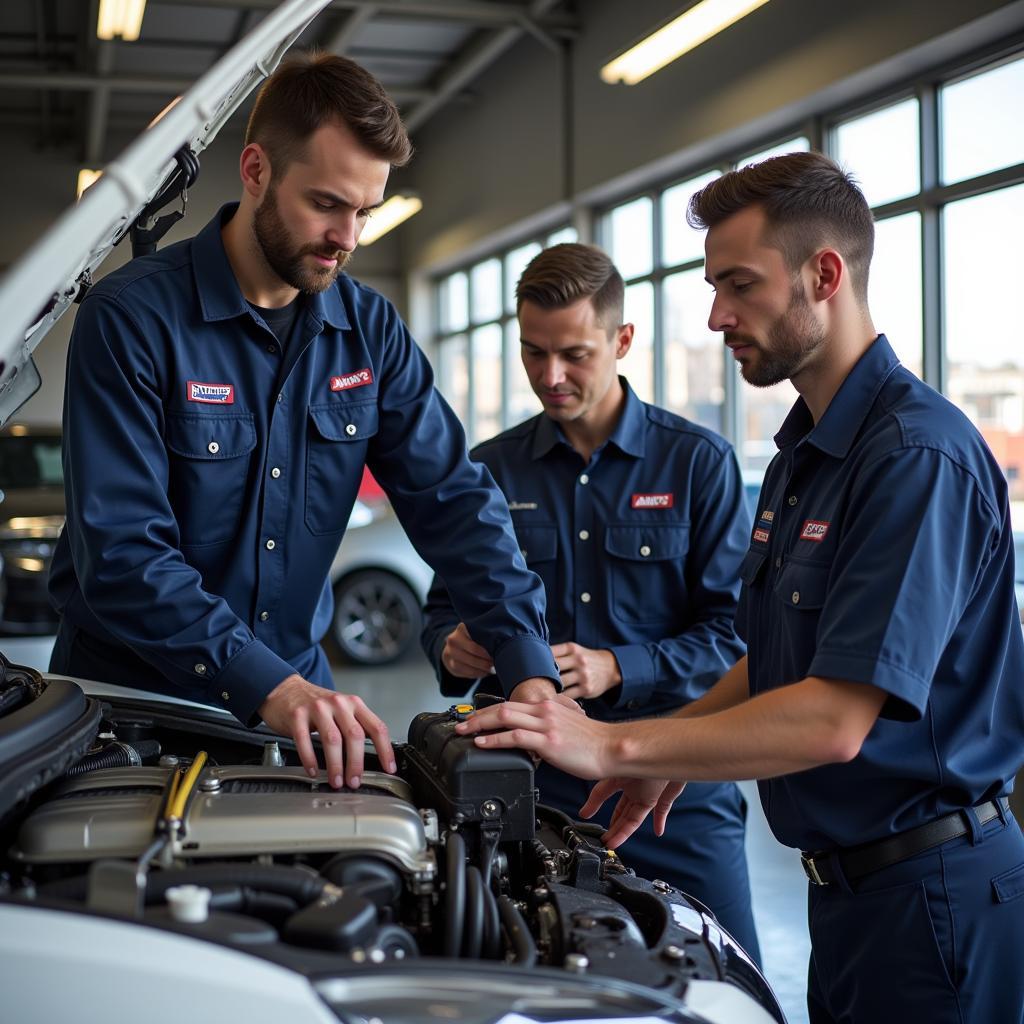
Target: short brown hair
{"x": 309, "y": 90}
{"x": 809, "y": 201}
{"x": 564, "y": 274}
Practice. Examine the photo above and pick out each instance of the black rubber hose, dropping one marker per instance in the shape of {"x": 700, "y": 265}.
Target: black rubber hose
{"x": 455, "y": 896}
{"x": 491, "y": 947}
{"x": 474, "y": 933}
{"x": 117, "y": 755}
{"x": 524, "y": 950}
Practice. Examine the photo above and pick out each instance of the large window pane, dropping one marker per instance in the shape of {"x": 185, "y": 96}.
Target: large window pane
{"x": 764, "y": 410}
{"x": 628, "y": 237}
{"x": 638, "y": 363}
{"x": 486, "y": 382}
{"x": 797, "y": 145}
{"x": 894, "y": 287}
{"x": 485, "y": 279}
{"x": 522, "y": 402}
{"x": 454, "y": 302}
{"x": 694, "y": 360}
{"x": 453, "y": 374}
{"x": 984, "y": 311}
{"x": 515, "y": 264}
{"x": 566, "y": 234}
{"x": 881, "y": 150}
{"x": 679, "y": 242}
{"x": 983, "y": 122}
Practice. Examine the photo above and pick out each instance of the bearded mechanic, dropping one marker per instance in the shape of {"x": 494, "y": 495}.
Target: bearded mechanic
{"x": 223, "y": 398}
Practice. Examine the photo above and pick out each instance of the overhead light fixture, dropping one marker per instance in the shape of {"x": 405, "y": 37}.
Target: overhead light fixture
{"x": 395, "y": 210}
{"x": 85, "y": 178}
{"x": 120, "y": 18}
{"x": 679, "y": 36}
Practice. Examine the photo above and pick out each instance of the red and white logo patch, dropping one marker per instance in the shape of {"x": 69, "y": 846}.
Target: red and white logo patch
{"x": 814, "y": 529}
{"x": 356, "y": 379}
{"x": 211, "y": 394}
{"x": 651, "y": 501}
{"x": 761, "y": 536}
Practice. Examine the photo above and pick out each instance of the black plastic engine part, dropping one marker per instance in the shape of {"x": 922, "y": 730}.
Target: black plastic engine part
{"x": 117, "y": 755}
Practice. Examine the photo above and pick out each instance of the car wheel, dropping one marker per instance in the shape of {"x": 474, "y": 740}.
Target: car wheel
{"x": 376, "y": 617}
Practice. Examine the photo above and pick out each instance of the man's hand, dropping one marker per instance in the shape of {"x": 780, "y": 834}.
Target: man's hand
{"x": 296, "y": 708}
{"x": 463, "y": 656}
{"x": 585, "y": 672}
{"x": 639, "y": 798}
{"x": 554, "y": 729}
{"x": 533, "y": 691}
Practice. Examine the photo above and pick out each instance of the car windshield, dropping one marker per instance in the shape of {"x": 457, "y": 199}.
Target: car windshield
{"x": 30, "y": 462}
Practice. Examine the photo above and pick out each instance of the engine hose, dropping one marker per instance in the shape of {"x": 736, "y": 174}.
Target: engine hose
{"x": 117, "y": 755}
{"x": 491, "y": 947}
{"x": 396, "y": 942}
{"x": 455, "y": 895}
{"x": 473, "y": 935}
{"x": 524, "y": 950}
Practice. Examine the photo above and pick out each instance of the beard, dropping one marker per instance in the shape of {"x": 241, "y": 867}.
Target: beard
{"x": 287, "y": 261}
{"x": 791, "y": 340}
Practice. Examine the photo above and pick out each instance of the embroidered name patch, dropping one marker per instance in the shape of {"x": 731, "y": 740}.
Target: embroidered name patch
{"x": 357, "y": 379}
{"x": 763, "y": 529}
{"x": 522, "y": 506}
{"x": 814, "y": 529}
{"x": 651, "y": 501}
{"x": 212, "y": 394}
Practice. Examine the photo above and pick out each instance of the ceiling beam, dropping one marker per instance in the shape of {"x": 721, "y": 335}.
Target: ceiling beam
{"x": 338, "y": 38}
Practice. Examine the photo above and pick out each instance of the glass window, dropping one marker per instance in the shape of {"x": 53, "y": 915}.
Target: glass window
{"x": 881, "y": 151}
{"x": 679, "y": 242}
{"x": 797, "y": 145}
{"x": 522, "y": 402}
{"x": 694, "y": 360}
{"x": 485, "y": 279}
{"x": 764, "y": 411}
{"x": 894, "y": 287}
{"x": 983, "y": 122}
{"x": 453, "y": 375}
{"x": 454, "y": 302}
{"x": 486, "y": 382}
{"x": 566, "y": 234}
{"x": 638, "y": 363}
{"x": 515, "y": 264}
{"x": 984, "y": 310}
{"x": 628, "y": 237}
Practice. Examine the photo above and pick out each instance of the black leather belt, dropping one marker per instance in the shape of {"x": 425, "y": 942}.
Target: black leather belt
{"x": 857, "y": 861}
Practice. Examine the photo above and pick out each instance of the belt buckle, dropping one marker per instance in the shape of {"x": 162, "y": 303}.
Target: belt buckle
{"x": 811, "y": 869}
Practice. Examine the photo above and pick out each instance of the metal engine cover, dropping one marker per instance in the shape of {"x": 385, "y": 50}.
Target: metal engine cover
{"x": 234, "y": 812}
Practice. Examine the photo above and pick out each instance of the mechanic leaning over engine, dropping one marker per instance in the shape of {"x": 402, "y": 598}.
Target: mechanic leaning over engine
{"x": 880, "y": 701}
{"x": 635, "y": 519}
{"x": 223, "y": 397}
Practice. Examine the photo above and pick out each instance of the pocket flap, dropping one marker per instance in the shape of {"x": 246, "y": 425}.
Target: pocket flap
{"x": 1010, "y": 884}
{"x": 210, "y": 435}
{"x": 644, "y": 543}
{"x": 345, "y": 421}
{"x": 802, "y": 586}
{"x": 537, "y": 543}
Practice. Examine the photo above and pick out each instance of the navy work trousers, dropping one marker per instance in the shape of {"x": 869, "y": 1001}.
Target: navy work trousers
{"x": 935, "y": 938}
{"x": 700, "y": 853}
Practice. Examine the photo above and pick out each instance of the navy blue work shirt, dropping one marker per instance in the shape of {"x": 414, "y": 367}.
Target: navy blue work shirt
{"x": 882, "y": 553}
{"x": 639, "y": 550}
{"x": 210, "y": 478}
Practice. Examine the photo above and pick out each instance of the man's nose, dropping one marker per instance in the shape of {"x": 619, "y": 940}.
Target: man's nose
{"x": 721, "y": 317}
{"x": 344, "y": 231}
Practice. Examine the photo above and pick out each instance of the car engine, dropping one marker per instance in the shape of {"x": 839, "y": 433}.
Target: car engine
{"x": 198, "y": 826}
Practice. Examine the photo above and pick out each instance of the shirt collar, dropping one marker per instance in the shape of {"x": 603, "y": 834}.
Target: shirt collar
{"x": 628, "y": 436}
{"x": 219, "y": 294}
{"x": 836, "y": 431}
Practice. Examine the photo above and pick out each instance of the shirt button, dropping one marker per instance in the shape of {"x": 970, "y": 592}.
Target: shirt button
{"x": 280, "y": 397}
{"x": 272, "y": 349}
{"x": 585, "y": 597}
{"x": 351, "y": 430}
{"x": 264, "y": 616}
{"x": 796, "y": 597}
{"x": 225, "y": 695}
{"x": 213, "y": 447}
{"x": 522, "y": 551}
{"x": 778, "y": 563}
{"x": 584, "y": 535}
{"x": 200, "y": 669}
{"x": 584, "y": 479}
{"x": 271, "y": 545}
{"x": 645, "y": 551}
{"x": 275, "y": 472}
{"x": 792, "y": 500}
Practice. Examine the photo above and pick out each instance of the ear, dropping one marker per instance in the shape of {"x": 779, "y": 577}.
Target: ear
{"x": 828, "y": 270}
{"x": 254, "y": 170}
{"x": 623, "y": 339}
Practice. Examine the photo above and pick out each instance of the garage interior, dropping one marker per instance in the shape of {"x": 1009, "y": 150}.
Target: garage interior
{"x": 520, "y": 143}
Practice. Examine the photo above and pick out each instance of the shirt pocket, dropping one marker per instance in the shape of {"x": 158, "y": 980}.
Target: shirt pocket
{"x": 335, "y": 457}
{"x": 210, "y": 456}
{"x": 803, "y": 586}
{"x": 646, "y": 566}
{"x": 538, "y": 544}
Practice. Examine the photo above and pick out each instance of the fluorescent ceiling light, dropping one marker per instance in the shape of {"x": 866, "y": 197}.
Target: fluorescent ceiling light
{"x": 120, "y": 18}
{"x": 85, "y": 179}
{"x": 679, "y": 36}
{"x": 395, "y": 210}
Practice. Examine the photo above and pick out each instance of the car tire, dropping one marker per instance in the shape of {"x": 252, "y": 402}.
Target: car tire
{"x": 377, "y": 617}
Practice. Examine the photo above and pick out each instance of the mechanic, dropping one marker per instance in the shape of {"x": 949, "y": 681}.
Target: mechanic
{"x": 880, "y": 699}
{"x": 223, "y": 397}
{"x": 636, "y": 521}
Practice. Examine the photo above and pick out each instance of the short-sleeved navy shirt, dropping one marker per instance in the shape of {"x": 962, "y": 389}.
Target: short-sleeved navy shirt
{"x": 882, "y": 553}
